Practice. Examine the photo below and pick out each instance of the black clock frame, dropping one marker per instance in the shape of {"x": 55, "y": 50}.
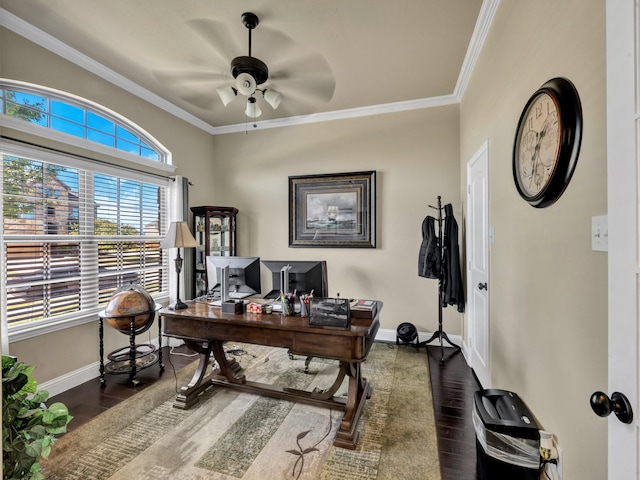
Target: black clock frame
{"x": 566, "y": 97}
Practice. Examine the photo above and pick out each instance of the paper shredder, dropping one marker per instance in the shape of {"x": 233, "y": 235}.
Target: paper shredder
{"x": 507, "y": 437}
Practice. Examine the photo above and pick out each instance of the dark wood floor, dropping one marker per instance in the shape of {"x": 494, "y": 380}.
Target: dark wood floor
{"x": 89, "y": 399}
{"x": 453, "y": 385}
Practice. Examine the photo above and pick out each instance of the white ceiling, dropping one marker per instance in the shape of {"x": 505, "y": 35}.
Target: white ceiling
{"x": 327, "y": 58}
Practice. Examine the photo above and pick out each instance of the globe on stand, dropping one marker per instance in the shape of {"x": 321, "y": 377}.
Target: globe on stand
{"x": 131, "y": 311}
{"x": 132, "y": 300}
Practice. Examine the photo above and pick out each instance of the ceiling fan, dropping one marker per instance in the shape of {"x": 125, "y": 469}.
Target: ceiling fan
{"x": 250, "y": 74}
{"x": 304, "y": 78}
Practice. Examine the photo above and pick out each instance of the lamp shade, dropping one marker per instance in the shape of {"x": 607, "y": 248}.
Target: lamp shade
{"x": 179, "y": 236}
{"x": 253, "y": 109}
{"x": 226, "y": 94}
{"x": 272, "y": 97}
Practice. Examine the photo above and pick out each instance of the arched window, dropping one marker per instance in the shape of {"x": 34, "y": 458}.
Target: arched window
{"x": 77, "y": 117}
{"x": 74, "y": 230}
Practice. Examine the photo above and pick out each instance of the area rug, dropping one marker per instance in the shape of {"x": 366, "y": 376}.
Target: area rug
{"x": 233, "y": 435}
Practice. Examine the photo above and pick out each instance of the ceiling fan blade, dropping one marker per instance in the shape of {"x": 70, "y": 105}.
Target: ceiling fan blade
{"x": 308, "y": 91}
{"x": 308, "y": 64}
{"x": 202, "y": 101}
{"x": 230, "y": 42}
{"x": 308, "y": 76}
{"x": 293, "y": 108}
{"x": 269, "y": 44}
{"x": 224, "y": 40}
{"x": 191, "y": 76}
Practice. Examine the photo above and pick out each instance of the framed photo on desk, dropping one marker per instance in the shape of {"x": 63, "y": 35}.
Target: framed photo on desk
{"x": 329, "y": 312}
{"x": 333, "y": 210}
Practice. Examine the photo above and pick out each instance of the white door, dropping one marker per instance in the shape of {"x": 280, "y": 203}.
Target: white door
{"x": 477, "y": 240}
{"x": 623, "y": 125}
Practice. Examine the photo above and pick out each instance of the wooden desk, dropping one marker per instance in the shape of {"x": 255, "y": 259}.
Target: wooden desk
{"x": 205, "y": 329}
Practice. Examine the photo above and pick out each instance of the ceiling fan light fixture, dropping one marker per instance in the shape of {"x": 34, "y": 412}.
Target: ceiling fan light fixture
{"x": 253, "y": 109}
{"x": 227, "y": 94}
{"x": 272, "y": 97}
{"x": 246, "y": 84}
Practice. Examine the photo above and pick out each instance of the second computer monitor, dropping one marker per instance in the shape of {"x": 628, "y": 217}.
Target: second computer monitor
{"x": 244, "y": 274}
{"x": 304, "y": 277}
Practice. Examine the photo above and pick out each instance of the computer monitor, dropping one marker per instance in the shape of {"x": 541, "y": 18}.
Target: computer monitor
{"x": 239, "y": 276}
{"x": 303, "y": 277}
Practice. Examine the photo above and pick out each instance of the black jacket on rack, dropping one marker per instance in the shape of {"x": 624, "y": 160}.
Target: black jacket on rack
{"x": 452, "y": 288}
{"x": 429, "y": 256}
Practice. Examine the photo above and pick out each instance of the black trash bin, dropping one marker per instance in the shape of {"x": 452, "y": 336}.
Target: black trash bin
{"x": 507, "y": 437}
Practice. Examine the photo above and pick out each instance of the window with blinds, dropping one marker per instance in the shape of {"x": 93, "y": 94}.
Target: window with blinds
{"x": 72, "y": 235}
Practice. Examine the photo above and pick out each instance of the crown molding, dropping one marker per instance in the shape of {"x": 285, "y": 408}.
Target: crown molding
{"x": 480, "y": 31}
{"x": 37, "y": 36}
{"x": 339, "y": 114}
{"x": 43, "y": 39}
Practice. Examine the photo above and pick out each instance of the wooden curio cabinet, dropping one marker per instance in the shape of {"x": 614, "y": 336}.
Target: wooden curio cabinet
{"x": 215, "y": 232}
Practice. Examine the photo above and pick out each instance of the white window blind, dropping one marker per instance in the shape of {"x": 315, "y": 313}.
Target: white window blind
{"x": 73, "y": 233}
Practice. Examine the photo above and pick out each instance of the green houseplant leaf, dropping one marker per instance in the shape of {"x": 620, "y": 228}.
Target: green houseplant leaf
{"x": 29, "y": 426}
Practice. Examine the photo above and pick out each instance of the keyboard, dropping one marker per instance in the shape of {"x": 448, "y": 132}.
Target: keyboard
{"x": 238, "y": 295}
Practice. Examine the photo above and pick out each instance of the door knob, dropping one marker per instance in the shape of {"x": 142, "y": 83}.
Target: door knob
{"x": 619, "y": 404}
{"x": 482, "y": 286}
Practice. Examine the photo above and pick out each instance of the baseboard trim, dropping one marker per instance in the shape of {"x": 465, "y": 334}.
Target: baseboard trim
{"x": 72, "y": 379}
{"x": 77, "y": 377}
{"x": 89, "y": 372}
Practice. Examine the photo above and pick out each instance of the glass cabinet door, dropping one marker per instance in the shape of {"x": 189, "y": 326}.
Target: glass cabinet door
{"x": 219, "y": 236}
{"x": 215, "y": 233}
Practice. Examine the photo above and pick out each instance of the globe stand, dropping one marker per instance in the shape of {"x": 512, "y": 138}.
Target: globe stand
{"x": 120, "y": 360}
{"x": 133, "y": 358}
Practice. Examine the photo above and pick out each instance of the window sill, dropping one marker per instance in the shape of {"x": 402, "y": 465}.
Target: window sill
{"x": 26, "y": 331}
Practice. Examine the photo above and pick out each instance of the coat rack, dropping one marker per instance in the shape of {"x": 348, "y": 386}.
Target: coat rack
{"x": 440, "y": 333}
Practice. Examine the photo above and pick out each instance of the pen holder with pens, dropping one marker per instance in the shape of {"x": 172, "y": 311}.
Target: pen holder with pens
{"x": 288, "y": 308}
{"x": 304, "y": 305}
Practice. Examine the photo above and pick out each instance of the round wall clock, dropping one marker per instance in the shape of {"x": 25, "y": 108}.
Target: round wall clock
{"x": 547, "y": 143}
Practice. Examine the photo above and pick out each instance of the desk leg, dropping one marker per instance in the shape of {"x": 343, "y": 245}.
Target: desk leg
{"x": 189, "y": 393}
{"x": 200, "y": 382}
{"x": 358, "y": 393}
{"x": 328, "y": 393}
{"x": 227, "y": 367}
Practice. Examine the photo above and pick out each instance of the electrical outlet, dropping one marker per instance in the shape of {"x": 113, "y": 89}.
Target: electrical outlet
{"x": 600, "y": 233}
{"x": 559, "y": 459}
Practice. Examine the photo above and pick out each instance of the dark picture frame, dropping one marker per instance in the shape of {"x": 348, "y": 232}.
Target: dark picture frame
{"x": 329, "y": 312}
{"x": 333, "y": 210}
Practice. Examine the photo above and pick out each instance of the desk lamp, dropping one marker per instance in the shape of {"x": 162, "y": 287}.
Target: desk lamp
{"x": 179, "y": 236}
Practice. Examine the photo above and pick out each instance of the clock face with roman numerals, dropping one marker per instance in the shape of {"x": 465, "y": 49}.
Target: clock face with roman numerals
{"x": 547, "y": 142}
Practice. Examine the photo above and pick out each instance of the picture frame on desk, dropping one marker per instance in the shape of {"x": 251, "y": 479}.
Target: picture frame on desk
{"x": 329, "y": 312}
{"x": 333, "y": 210}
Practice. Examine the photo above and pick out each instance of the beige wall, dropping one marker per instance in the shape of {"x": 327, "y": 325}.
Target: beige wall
{"x": 415, "y": 155}
{"x": 65, "y": 351}
{"x": 548, "y": 289}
